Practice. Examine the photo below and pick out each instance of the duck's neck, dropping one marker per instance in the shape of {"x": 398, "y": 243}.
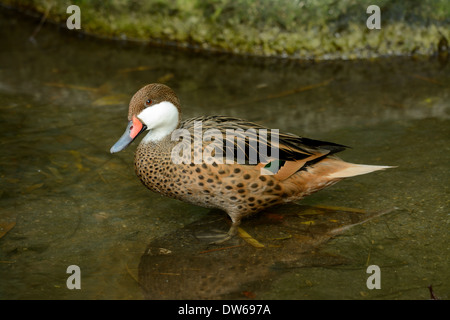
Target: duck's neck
{"x": 157, "y": 135}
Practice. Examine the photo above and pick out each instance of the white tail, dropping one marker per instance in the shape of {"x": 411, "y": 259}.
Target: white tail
{"x": 355, "y": 170}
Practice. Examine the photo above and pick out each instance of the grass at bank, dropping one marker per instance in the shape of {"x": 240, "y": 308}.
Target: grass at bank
{"x": 307, "y": 29}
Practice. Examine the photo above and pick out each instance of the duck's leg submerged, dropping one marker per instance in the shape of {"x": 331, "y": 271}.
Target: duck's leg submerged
{"x": 221, "y": 237}
{"x": 230, "y": 234}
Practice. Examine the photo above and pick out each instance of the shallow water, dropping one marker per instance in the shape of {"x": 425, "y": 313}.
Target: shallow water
{"x": 65, "y": 200}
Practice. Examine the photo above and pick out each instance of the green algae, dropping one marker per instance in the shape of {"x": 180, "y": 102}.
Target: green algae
{"x": 325, "y": 29}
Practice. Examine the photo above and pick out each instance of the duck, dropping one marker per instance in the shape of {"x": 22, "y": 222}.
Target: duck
{"x": 223, "y": 162}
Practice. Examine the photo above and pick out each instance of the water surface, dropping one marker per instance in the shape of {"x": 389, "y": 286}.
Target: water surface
{"x": 65, "y": 200}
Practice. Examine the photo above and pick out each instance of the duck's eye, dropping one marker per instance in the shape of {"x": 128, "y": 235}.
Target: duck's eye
{"x": 148, "y": 102}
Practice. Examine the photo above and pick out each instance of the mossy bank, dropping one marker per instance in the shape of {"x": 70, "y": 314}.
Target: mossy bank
{"x": 298, "y": 29}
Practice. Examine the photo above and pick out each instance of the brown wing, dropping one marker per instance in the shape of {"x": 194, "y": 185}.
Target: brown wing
{"x": 252, "y": 144}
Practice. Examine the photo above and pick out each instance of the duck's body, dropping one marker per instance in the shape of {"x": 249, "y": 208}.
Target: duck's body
{"x": 242, "y": 184}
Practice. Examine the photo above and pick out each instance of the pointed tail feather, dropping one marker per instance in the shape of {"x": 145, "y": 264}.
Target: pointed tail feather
{"x": 355, "y": 170}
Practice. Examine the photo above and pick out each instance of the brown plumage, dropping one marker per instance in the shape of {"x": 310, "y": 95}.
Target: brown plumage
{"x": 240, "y": 188}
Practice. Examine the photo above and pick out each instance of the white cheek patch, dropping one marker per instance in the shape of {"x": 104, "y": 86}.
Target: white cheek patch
{"x": 160, "y": 119}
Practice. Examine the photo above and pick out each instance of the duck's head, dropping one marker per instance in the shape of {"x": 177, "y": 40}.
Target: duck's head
{"x": 154, "y": 107}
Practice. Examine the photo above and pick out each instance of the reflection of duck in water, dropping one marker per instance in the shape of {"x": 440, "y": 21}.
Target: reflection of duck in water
{"x": 303, "y": 166}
